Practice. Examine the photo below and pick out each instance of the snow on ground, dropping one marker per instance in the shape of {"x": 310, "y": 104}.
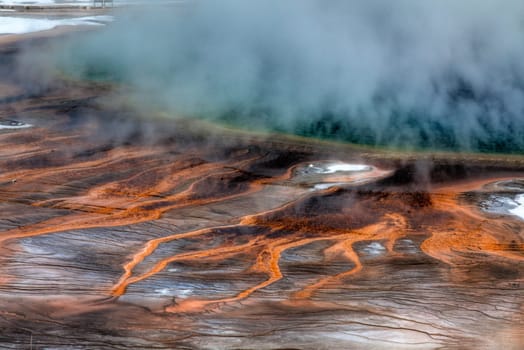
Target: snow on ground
{"x": 518, "y": 210}
{"x": 374, "y": 248}
{"x": 327, "y": 185}
{"x": 24, "y": 2}
{"x": 331, "y": 168}
{"x": 21, "y": 25}
{"x": 505, "y": 204}
{"x": 42, "y": 2}
{"x": 79, "y": 2}
{"x": 11, "y": 124}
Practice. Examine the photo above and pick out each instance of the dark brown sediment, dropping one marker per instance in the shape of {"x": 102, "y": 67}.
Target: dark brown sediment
{"x": 121, "y": 231}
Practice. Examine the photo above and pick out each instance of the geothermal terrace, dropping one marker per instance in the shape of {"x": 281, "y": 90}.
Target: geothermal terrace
{"x": 122, "y": 231}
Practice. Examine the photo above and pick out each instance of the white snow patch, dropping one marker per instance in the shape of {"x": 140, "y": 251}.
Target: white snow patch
{"x": 26, "y": 2}
{"x": 374, "y": 248}
{"x": 52, "y": 3}
{"x": 15, "y": 126}
{"x": 101, "y": 18}
{"x": 173, "y": 292}
{"x": 519, "y": 206}
{"x": 164, "y": 291}
{"x": 331, "y": 168}
{"x": 21, "y": 25}
{"x": 505, "y": 205}
{"x": 328, "y": 185}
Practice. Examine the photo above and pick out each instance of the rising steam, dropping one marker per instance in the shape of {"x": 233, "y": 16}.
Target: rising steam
{"x": 445, "y": 74}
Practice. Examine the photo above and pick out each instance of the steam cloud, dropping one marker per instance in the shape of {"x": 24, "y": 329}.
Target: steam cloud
{"x": 446, "y": 74}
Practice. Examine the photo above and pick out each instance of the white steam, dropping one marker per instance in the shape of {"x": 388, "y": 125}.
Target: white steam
{"x": 403, "y": 72}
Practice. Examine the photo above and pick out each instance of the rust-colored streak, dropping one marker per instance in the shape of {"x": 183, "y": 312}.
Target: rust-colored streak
{"x": 392, "y": 228}
{"x": 111, "y": 212}
{"x": 148, "y": 249}
{"x": 467, "y": 229}
{"x": 267, "y": 262}
{"x": 184, "y": 226}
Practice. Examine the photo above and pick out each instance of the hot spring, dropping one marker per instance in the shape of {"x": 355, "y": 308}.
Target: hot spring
{"x": 121, "y": 229}
{"x": 374, "y": 74}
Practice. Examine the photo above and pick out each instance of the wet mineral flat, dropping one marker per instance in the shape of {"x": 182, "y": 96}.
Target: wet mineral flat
{"x": 119, "y": 231}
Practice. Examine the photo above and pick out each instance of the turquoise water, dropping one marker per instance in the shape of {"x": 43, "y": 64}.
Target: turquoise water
{"x": 409, "y": 132}
{"x": 385, "y": 124}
